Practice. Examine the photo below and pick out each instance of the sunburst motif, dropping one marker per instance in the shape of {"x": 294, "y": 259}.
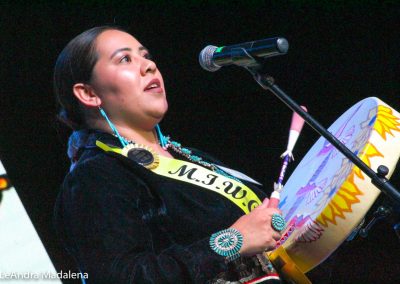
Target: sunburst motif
{"x": 341, "y": 202}
{"x": 337, "y": 199}
{"x": 347, "y": 194}
{"x": 368, "y": 152}
{"x": 386, "y": 121}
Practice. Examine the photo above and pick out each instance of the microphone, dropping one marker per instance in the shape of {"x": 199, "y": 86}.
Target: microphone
{"x": 212, "y": 58}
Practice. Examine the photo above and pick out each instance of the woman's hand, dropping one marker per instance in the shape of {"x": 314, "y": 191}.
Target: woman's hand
{"x": 255, "y": 227}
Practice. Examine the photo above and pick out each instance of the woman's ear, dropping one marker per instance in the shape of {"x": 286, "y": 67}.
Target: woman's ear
{"x": 86, "y": 95}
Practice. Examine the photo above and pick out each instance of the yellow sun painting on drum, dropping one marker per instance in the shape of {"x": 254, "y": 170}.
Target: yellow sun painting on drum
{"x": 326, "y": 197}
{"x": 384, "y": 122}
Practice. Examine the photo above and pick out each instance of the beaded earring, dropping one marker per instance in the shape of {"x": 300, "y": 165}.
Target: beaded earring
{"x": 113, "y": 128}
{"x": 161, "y": 138}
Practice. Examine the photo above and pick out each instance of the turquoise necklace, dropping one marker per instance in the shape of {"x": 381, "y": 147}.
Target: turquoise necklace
{"x": 165, "y": 143}
{"x": 187, "y": 153}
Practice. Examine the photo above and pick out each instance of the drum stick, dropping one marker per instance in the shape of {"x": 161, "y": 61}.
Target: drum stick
{"x": 295, "y": 128}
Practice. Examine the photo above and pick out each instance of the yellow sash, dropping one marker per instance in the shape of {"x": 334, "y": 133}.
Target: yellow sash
{"x": 195, "y": 174}
{"x": 235, "y": 191}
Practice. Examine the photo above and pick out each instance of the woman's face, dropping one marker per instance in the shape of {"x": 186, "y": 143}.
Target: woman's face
{"x": 128, "y": 83}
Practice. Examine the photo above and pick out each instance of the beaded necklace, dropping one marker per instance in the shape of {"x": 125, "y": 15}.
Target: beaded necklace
{"x": 187, "y": 153}
{"x": 166, "y": 143}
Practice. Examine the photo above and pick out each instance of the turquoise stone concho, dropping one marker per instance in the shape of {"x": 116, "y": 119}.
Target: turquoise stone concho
{"x": 227, "y": 243}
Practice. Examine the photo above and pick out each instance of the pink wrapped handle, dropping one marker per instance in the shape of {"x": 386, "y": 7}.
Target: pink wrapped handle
{"x": 297, "y": 121}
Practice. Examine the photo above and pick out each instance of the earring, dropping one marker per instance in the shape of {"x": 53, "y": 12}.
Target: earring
{"x": 113, "y": 128}
{"x": 161, "y": 138}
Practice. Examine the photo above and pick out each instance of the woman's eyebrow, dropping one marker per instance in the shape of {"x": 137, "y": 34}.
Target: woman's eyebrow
{"x": 141, "y": 48}
{"x": 119, "y": 50}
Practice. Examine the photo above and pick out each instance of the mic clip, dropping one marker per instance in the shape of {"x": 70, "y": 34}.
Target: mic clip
{"x": 380, "y": 213}
{"x": 384, "y": 210}
{"x": 240, "y": 57}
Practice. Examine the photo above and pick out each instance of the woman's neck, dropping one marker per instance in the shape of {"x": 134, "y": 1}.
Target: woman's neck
{"x": 137, "y": 135}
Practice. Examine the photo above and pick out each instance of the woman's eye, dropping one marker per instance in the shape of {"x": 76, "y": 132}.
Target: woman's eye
{"x": 125, "y": 58}
{"x": 148, "y": 56}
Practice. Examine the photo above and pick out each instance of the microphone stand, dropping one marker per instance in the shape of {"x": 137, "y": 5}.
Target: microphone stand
{"x": 378, "y": 179}
{"x": 268, "y": 83}
{"x": 256, "y": 67}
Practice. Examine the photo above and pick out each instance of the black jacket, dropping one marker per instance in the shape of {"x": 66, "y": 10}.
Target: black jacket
{"x": 126, "y": 224}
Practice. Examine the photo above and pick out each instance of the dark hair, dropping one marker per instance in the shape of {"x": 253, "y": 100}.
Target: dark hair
{"x": 75, "y": 65}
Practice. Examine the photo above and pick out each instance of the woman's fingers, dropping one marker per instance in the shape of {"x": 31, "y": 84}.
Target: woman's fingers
{"x": 257, "y": 230}
{"x": 265, "y": 202}
{"x": 276, "y": 236}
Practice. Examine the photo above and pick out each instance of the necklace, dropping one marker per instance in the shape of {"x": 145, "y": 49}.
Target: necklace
{"x": 187, "y": 153}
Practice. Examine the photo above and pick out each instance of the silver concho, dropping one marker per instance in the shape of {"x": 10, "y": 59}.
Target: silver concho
{"x": 141, "y": 154}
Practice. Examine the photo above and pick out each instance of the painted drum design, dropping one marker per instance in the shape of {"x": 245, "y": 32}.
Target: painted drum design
{"x": 326, "y": 197}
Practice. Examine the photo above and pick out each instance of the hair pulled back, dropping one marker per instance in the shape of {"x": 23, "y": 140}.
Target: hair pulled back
{"x": 75, "y": 65}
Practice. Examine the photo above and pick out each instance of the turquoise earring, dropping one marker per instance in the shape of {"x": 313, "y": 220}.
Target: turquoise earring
{"x": 161, "y": 138}
{"x": 113, "y": 128}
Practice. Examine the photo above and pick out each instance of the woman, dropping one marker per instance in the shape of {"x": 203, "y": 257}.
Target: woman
{"x": 154, "y": 212}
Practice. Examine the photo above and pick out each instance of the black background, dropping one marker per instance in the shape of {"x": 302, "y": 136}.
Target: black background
{"x": 340, "y": 52}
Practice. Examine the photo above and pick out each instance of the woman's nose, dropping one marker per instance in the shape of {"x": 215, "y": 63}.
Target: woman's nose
{"x": 148, "y": 66}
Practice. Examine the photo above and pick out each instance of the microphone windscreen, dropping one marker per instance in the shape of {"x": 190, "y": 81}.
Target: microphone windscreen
{"x": 205, "y": 59}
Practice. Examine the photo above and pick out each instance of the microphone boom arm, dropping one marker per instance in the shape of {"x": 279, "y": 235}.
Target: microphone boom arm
{"x": 378, "y": 179}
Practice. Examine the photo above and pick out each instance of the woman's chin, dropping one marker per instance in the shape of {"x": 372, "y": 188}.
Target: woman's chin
{"x": 154, "y": 119}
{"x": 159, "y": 114}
